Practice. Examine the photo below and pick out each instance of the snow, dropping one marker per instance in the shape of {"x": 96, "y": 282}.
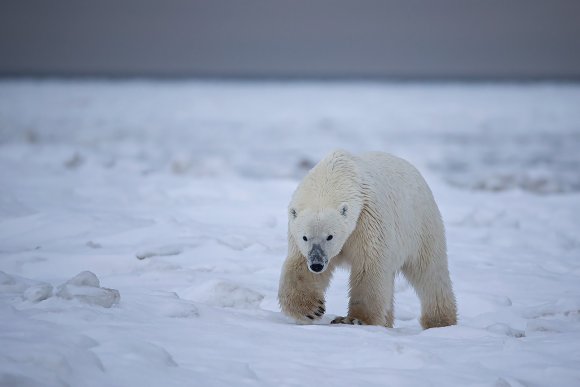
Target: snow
{"x": 143, "y": 229}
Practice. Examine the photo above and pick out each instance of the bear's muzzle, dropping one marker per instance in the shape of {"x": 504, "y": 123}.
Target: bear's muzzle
{"x": 317, "y": 259}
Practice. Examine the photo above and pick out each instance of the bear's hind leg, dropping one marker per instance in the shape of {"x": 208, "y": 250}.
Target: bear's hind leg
{"x": 429, "y": 276}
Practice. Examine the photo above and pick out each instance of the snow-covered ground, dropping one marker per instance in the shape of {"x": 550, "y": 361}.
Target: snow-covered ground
{"x": 143, "y": 228}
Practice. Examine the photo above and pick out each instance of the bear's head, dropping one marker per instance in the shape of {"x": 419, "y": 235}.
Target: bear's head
{"x": 320, "y": 234}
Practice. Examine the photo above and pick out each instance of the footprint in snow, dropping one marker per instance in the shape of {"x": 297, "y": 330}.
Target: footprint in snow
{"x": 224, "y": 294}
{"x": 548, "y": 326}
{"x": 93, "y": 245}
{"x": 134, "y": 352}
{"x": 504, "y": 329}
{"x": 235, "y": 242}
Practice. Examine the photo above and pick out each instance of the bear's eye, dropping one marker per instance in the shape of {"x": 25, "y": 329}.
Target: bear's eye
{"x": 329, "y": 238}
{"x": 305, "y": 239}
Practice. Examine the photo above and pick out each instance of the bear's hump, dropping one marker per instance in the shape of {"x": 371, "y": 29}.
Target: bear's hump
{"x": 334, "y": 180}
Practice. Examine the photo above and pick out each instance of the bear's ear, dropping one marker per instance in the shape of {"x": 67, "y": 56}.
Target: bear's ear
{"x": 343, "y": 209}
{"x": 293, "y": 214}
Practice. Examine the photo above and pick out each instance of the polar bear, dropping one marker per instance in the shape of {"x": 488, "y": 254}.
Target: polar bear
{"x": 376, "y": 214}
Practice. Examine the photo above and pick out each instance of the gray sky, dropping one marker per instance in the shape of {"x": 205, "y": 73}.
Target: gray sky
{"x": 292, "y": 38}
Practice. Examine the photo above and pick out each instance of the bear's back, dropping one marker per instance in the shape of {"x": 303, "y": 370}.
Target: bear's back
{"x": 402, "y": 197}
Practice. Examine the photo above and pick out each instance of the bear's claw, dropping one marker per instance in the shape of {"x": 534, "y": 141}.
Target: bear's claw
{"x": 303, "y": 308}
{"x": 318, "y": 313}
{"x": 347, "y": 320}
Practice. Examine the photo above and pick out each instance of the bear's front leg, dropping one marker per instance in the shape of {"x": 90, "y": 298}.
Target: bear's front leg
{"x": 371, "y": 298}
{"x": 301, "y": 293}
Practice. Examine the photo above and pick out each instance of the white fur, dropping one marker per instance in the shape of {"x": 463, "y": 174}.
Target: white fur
{"x": 383, "y": 219}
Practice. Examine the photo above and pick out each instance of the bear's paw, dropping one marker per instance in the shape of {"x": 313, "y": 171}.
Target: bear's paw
{"x": 303, "y": 308}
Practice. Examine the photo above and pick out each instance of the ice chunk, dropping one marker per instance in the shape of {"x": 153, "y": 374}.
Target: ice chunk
{"x": 161, "y": 251}
{"x": 85, "y": 278}
{"x": 37, "y": 293}
{"x": 94, "y": 296}
{"x": 85, "y": 287}
{"x": 29, "y": 289}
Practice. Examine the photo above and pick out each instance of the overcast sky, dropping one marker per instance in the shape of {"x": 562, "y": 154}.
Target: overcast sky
{"x": 292, "y": 38}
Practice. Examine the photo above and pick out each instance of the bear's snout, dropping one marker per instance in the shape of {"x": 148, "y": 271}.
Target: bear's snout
{"x": 316, "y": 259}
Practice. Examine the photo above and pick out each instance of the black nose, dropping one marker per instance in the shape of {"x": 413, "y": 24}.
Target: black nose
{"x": 316, "y": 267}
